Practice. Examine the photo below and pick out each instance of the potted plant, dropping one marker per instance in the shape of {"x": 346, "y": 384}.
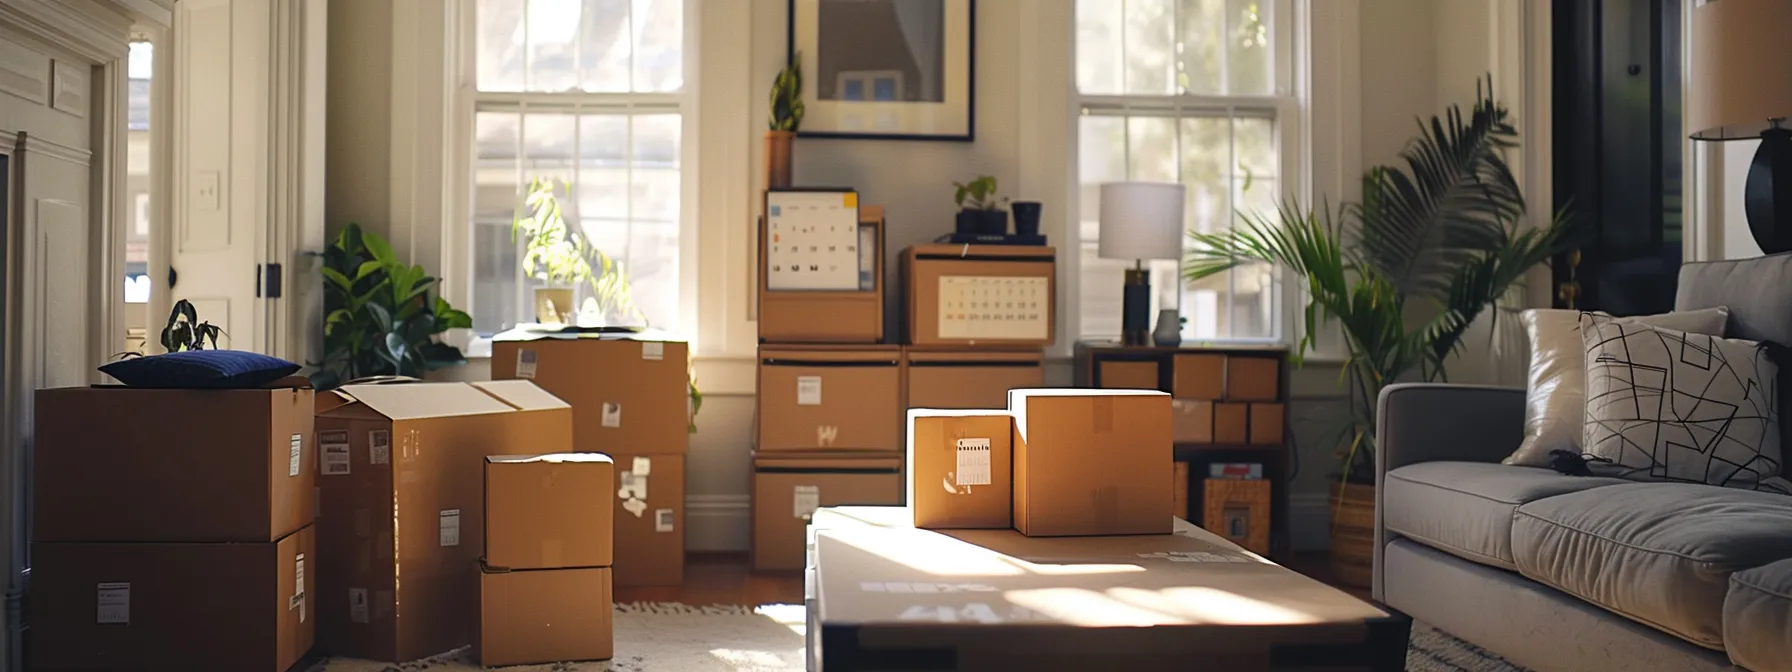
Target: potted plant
{"x": 379, "y": 317}
{"x": 563, "y": 260}
{"x": 786, "y": 118}
{"x": 979, "y": 210}
{"x": 1432, "y": 246}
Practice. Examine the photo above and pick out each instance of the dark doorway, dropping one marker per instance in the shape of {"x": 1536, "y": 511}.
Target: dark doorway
{"x": 1618, "y": 150}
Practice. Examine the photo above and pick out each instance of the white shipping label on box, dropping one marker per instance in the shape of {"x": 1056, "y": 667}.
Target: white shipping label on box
{"x": 299, "y": 577}
{"x": 450, "y": 523}
{"x": 807, "y": 499}
{"x": 662, "y": 520}
{"x": 337, "y": 436}
{"x": 357, "y": 605}
{"x": 115, "y": 603}
{"x": 973, "y": 462}
{"x": 634, "y": 506}
{"x": 643, "y": 466}
{"x": 653, "y": 350}
{"x": 292, "y": 459}
{"x": 525, "y": 363}
{"x": 812, "y": 241}
{"x": 612, "y": 414}
{"x": 335, "y": 460}
{"x": 975, "y": 307}
{"x": 379, "y": 446}
{"x": 808, "y": 390}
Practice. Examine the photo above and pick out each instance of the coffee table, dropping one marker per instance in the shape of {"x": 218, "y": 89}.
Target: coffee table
{"x": 883, "y": 595}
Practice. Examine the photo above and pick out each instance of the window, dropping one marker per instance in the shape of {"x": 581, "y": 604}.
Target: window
{"x": 1196, "y": 92}
{"x": 591, "y": 93}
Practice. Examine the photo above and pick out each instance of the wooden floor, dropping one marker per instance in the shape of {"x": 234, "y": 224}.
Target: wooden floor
{"x": 723, "y": 578}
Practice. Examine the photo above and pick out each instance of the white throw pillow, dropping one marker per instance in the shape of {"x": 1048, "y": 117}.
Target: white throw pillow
{"x": 1668, "y": 405}
{"x": 1556, "y": 392}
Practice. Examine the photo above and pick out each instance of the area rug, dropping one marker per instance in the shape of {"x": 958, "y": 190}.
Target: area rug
{"x": 668, "y": 637}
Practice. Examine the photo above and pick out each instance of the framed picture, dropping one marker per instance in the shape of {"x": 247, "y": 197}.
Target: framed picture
{"x": 885, "y": 69}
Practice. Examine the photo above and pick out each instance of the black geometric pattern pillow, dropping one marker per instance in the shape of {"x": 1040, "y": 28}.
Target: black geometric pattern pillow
{"x": 1666, "y": 405}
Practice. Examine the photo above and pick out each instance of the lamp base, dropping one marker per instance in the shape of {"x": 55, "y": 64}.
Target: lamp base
{"x": 1767, "y": 195}
{"x": 1135, "y": 315}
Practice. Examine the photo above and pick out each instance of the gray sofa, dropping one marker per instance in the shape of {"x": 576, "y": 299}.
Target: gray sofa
{"x": 1558, "y": 572}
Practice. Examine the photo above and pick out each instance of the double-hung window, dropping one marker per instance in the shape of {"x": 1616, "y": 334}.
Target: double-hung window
{"x": 1198, "y": 92}
{"x": 594, "y": 94}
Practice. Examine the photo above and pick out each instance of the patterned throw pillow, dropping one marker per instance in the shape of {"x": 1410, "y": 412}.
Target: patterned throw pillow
{"x": 1672, "y": 406}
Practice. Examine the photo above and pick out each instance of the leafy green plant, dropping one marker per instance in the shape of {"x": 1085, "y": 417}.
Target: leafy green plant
{"x": 1406, "y": 272}
{"x": 184, "y": 330}
{"x": 787, "y": 97}
{"x": 558, "y": 255}
{"x": 978, "y": 194}
{"x": 379, "y": 316}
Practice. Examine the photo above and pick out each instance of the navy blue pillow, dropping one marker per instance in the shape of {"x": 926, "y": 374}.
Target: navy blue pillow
{"x": 201, "y": 369}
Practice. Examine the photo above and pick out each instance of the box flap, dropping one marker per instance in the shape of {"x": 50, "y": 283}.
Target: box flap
{"x": 524, "y": 395}
{"x": 829, "y": 460}
{"x": 955, "y": 413}
{"x": 554, "y": 458}
{"x": 425, "y": 400}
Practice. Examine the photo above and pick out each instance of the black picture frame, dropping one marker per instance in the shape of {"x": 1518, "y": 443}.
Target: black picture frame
{"x": 970, "y": 74}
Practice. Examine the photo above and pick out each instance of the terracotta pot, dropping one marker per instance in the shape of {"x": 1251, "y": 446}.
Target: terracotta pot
{"x": 777, "y": 158}
{"x": 553, "y": 305}
{"x": 1353, "y": 534}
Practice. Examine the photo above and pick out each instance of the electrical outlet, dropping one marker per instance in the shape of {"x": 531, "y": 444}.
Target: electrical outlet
{"x": 205, "y": 191}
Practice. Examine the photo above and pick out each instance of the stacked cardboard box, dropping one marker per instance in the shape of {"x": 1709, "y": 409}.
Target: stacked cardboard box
{"x": 187, "y": 547}
{"x": 544, "y": 584}
{"x": 630, "y": 400}
{"x": 411, "y": 457}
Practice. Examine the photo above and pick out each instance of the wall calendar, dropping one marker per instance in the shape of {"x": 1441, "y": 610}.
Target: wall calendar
{"x": 975, "y": 307}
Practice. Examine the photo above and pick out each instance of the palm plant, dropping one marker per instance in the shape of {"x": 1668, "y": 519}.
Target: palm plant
{"x": 1407, "y": 271}
{"x": 556, "y": 254}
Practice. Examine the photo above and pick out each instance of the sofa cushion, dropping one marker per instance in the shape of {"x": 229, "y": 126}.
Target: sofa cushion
{"x": 1757, "y": 291}
{"x": 1465, "y": 508}
{"x": 1658, "y": 553}
{"x": 1758, "y": 617}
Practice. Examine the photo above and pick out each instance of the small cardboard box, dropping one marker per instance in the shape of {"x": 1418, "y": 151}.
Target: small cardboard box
{"x": 1252, "y": 378}
{"x": 822, "y": 398}
{"x": 544, "y": 616}
{"x": 1192, "y": 421}
{"x": 1198, "y": 377}
{"x": 827, "y": 316}
{"x": 968, "y": 378}
{"x": 548, "y": 511}
{"x": 787, "y": 489}
{"x": 1238, "y": 509}
{"x": 1123, "y": 374}
{"x": 411, "y": 457}
{"x": 1266, "y": 424}
{"x": 188, "y": 606}
{"x": 960, "y": 468}
{"x": 985, "y": 295}
{"x": 1231, "y": 423}
{"x": 235, "y": 465}
{"x": 1091, "y": 462}
{"x": 628, "y": 395}
{"x": 649, "y": 520}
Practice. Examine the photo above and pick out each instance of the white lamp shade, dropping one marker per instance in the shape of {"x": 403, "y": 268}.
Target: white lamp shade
{"x": 1737, "y": 81}
{"x": 1141, "y": 220}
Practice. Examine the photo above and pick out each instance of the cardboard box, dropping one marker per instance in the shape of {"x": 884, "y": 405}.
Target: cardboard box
{"x": 126, "y": 464}
{"x": 411, "y": 457}
{"x": 1179, "y": 489}
{"x": 826, "y": 316}
{"x": 627, "y": 395}
{"x": 1192, "y": 421}
{"x": 822, "y": 398}
{"x": 1199, "y": 377}
{"x": 788, "y": 489}
{"x": 1237, "y": 510}
{"x": 1266, "y": 424}
{"x": 548, "y": 511}
{"x": 650, "y": 533}
{"x": 544, "y": 616}
{"x": 1091, "y": 462}
{"x": 1253, "y": 378}
{"x": 1121, "y": 374}
{"x": 173, "y": 606}
{"x": 960, "y": 468}
{"x": 1231, "y": 423}
{"x": 968, "y": 378}
{"x": 949, "y": 290}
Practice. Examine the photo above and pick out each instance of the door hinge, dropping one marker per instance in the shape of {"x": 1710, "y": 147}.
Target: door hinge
{"x": 268, "y": 281}
{"x": 172, "y": 277}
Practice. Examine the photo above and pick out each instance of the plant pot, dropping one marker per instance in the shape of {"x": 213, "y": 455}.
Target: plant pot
{"x": 554, "y": 305}
{"x": 983, "y": 222}
{"x": 1169, "y": 329}
{"x": 777, "y": 158}
{"x": 1026, "y": 217}
{"x": 1353, "y": 534}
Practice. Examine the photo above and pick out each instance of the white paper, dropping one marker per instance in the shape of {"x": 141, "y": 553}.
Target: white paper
{"x": 379, "y": 447}
{"x": 634, "y": 506}
{"x": 299, "y": 576}
{"x": 335, "y": 460}
{"x": 357, "y": 605}
{"x": 662, "y": 520}
{"x": 450, "y": 523}
{"x": 807, "y": 500}
{"x": 612, "y": 414}
{"x": 525, "y": 363}
{"x": 653, "y": 350}
{"x": 115, "y": 602}
{"x": 643, "y": 466}
{"x": 808, "y": 390}
{"x": 867, "y": 258}
{"x": 973, "y": 462}
{"x": 812, "y": 241}
{"x": 292, "y": 458}
{"x": 975, "y": 307}
{"x": 634, "y": 486}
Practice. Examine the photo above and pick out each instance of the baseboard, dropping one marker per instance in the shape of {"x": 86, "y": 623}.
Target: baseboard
{"x": 1309, "y": 521}
{"x": 717, "y": 522}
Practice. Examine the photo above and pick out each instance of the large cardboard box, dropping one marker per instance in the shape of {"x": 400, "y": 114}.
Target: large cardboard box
{"x": 173, "y": 606}
{"x": 628, "y": 395}
{"x": 984, "y": 295}
{"x": 411, "y": 458}
{"x": 649, "y": 520}
{"x": 127, "y": 464}
{"x": 787, "y": 489}
{"x": 544, "y": 616}
{"x": 1091, "y": 462}
{"x": 1192, "y": 421}
{"x": 968, "y": 378}
{"x": 819, "y": 316}
{"x": 960, "y": 468}
{"x": 548, "y": 511}
{"x": 830, "y": 398}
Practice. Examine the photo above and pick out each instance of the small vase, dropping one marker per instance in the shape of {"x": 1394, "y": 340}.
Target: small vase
{"x": 1026, "y": 217}
{"x": 777, "y": 158}
{"x": 553, "y": 305}
{"x": 1169, "y": 329}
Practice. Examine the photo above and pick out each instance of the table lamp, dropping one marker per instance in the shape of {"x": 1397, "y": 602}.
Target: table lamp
{"x": 1139, "y": 221}
{"x": 1735, "y": 92}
